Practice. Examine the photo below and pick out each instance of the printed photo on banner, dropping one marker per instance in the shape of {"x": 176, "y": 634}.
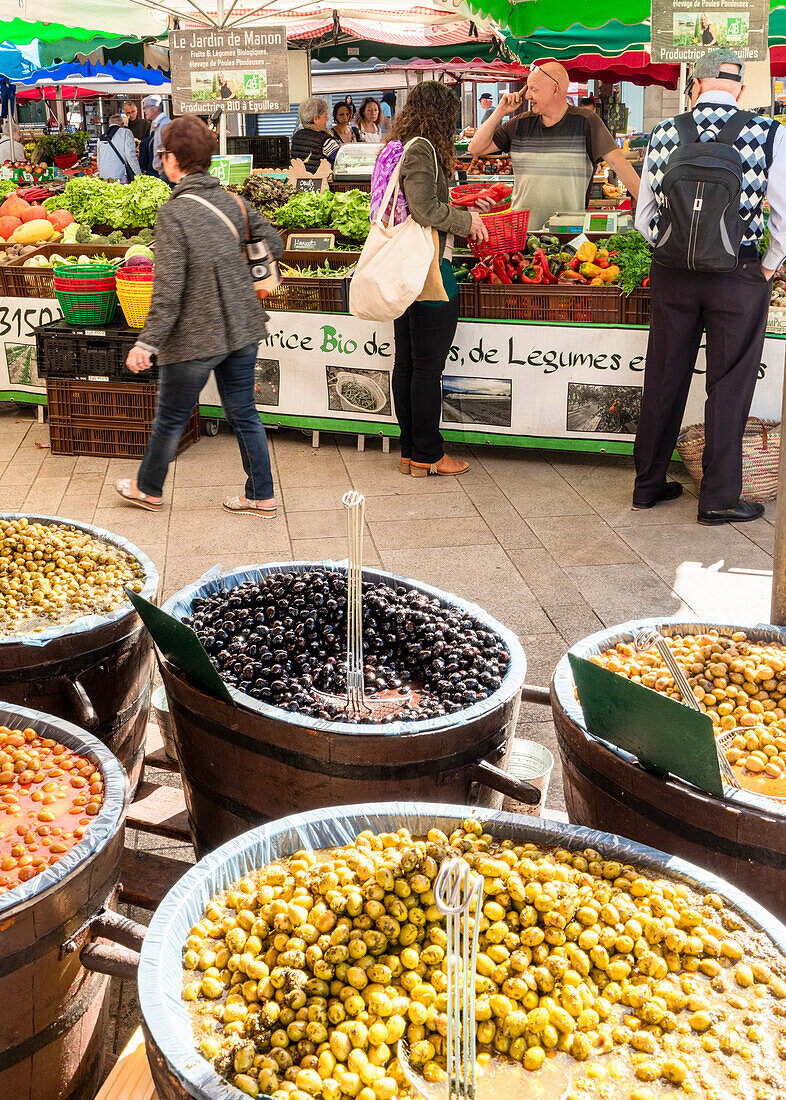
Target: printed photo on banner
{"x": 22, "y": 364}
{"x": 267, "y": 382}
{"x": 467, "y": 400}
{"x": 227, "y": 84}
{"x": 611, "y": 410}
{"x": 358, "y": 391}
{"x": 711, "y": 29}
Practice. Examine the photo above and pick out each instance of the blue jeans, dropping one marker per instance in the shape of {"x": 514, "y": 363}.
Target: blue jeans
{"x": 179, "y": 387}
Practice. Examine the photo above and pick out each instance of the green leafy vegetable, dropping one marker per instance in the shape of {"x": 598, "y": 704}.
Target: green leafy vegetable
{"x": 351, "y": 215}
{"x": 92, "y": 200}
{"x": 347, "y": 213}
{"x": 634, "y": 257}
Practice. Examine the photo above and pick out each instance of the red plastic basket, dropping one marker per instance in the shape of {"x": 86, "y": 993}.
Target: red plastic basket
{"x": 135, "y": 275}
{"x": 84, "y": 286}
{"x": 507, "y": 233}
{"x": 461, "y": 190}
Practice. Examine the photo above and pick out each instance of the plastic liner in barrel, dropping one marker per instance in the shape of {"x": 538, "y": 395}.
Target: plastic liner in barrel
{"x": 54, "y": 1032}
{"x": 86, "y": 622}
{"x": 167, "y": 1018}
{"x": 213, "y": 581}
{"x": 565, "y": 689}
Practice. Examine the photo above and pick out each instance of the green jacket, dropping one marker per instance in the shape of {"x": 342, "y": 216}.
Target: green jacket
{"x": 428, "y": 194}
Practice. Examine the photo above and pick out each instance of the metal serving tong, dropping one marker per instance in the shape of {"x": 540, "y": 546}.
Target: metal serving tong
{"x": 455, "y": 888}
{"x": 647, "y": 638}
{"x": 355, "y": 504}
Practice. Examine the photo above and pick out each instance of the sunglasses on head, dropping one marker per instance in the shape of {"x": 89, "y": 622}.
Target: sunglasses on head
{"x": 537, "y": 69}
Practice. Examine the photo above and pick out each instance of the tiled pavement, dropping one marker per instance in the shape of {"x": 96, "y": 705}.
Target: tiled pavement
{"x": 546, "y": 541}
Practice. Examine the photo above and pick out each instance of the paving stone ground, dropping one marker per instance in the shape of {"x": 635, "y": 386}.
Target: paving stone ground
{"x": 544, "y": 540}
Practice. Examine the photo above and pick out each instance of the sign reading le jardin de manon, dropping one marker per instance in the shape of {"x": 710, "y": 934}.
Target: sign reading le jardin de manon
{"x": 241, "y": 69}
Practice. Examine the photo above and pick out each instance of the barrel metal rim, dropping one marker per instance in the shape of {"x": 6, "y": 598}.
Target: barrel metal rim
{"x": 166, "y": 1015}
{"x": 564, "y": 688}
{"x": 102, "y": 828}
{"x": 179, "y": 605}
{"x": 87, "y": 622}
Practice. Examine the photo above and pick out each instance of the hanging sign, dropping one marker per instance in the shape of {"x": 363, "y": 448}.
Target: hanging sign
{"x": 242, "y": 69}
{"x": 684, "y": 30}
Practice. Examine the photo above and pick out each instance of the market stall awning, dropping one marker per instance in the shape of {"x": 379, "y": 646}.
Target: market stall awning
{"x": 84, "y": 19}
{"x": 525, "y": 18}
{"x": 77, "y": 74}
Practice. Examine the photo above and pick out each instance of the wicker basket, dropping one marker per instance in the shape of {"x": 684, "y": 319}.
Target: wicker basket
{"x": 761, "y": 444}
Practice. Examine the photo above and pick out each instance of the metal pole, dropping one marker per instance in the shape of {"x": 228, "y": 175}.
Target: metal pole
{"x": 778, "y": 609}
{"x": 681, "y": 85}
{"x": 222, "y": 122}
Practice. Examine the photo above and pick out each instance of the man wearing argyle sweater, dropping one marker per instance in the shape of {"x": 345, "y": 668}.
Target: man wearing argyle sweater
{"x": 730, "y": 307}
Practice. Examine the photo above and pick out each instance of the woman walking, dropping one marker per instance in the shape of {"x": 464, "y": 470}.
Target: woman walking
{"x": 424, "y": 333}
{"x": 205, "y": 316}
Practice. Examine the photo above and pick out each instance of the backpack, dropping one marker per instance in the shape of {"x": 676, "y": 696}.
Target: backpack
{"x": 701, "y": 226}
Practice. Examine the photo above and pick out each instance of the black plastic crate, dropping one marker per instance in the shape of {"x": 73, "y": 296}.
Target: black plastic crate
{"x": 268, "y": 152}
{"x": 88, "y": 352}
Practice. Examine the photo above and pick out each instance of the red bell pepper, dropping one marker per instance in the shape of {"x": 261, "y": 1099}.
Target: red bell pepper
{"x": 646, "y": 281}
{"x": 501, "y": 271}
{"x": 481, "y": 273}
{"x": 539, "y": 259}
{"x": 532, "y": 274}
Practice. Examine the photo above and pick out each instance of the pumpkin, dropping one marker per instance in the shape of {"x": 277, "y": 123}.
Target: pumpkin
{"x": 33, "y": 214}
{"x": 61, "y": 218}
{"x": 13, "y": 207}
{"x": 7, "y": 227}
{"x": 34, "y": 232}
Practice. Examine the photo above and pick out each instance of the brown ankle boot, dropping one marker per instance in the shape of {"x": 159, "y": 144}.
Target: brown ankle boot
{"x": 403, "y": 465}
{"x": 446, "y": 466}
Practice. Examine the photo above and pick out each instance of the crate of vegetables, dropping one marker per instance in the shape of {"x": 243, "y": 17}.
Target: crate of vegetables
{"x": 32, "y": 277}
{"x": 312, "y": 286}
{"x": 637, "y": 306}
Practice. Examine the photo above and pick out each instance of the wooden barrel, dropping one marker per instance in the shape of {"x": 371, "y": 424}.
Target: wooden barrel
{"x": 100, "y": 679}
{"x": 741, "y": 839}
{"x": 53, "y": 1027}
{"x": 243, "y": 766}
{"x": 178, "y": 1071}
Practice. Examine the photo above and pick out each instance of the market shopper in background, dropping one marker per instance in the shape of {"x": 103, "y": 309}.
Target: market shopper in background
{"x": 11, "y": 147}
{"x": 313, "y": 142}
{"x": 554, "y": 147}
{"x": 729, "y": 306}
{"x": 425, "y": 332}
{"x": 343, "y": 129}
{"x": 139, "y": 127}
{"x": 388, "y": 108}
{"x": 153, "y": 110}
{"x": 116, "y": 158}
{"x": 486, "y": 106}
{"x": 205, "y": 316}
{"x": 368, "y": 120}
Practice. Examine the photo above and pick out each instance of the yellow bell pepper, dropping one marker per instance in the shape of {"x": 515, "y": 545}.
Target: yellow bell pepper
{"x": 587, "y": 252}
{"x": 590, "y": 271}
{"x": 610, "y": 274}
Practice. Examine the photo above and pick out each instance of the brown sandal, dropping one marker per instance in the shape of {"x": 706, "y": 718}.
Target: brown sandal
{"x": 446, "y": 466}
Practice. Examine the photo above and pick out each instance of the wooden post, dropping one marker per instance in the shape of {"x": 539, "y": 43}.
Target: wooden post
{"x": 778, "y": 609}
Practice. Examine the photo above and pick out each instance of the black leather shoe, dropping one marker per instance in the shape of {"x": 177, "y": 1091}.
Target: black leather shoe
{"x": 670, "y": 491}
{"x": 742, "y": 512}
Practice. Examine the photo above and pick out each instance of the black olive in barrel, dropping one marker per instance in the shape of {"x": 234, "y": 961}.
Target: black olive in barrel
{"x": 243, "y": 766}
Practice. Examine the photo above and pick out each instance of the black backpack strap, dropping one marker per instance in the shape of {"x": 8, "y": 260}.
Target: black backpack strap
{"x": 687, "y": 130}
{"x": 732, "y": 129}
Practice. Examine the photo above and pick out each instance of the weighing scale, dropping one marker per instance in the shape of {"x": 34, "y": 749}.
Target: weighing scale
{"x": 603, "y": 222}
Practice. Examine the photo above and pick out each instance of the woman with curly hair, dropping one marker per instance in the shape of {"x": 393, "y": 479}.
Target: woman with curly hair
{"x": 424, "y": 333}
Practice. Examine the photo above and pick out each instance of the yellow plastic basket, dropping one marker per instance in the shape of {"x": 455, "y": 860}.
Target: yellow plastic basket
{"x": 135, "y": 297}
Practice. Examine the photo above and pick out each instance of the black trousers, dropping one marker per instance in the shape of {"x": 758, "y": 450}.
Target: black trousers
{"x": 424, "y": 334}
{"x": 731, "y": 307}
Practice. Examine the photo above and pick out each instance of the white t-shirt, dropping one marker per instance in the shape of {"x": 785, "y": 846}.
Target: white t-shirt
{"x": 11, "y": 150}
{"x": 373, "y": 137}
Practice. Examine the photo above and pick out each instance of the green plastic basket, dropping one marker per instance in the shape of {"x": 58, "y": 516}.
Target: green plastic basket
{"x": 87, "y": 309}
{"x": 84, "y": 271}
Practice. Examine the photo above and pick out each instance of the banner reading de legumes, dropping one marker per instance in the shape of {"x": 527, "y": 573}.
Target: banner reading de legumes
{"x": 503, "y": 382}
{"x": 242, "y": 69}
{"x": 684, "y": 30}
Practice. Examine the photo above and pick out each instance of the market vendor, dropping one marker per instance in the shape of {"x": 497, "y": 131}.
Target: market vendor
{"x": 313, "y": 142}
{"x": 554, "y": 147}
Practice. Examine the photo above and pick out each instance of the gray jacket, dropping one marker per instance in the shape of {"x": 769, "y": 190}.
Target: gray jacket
{"x": 204, "y": 301}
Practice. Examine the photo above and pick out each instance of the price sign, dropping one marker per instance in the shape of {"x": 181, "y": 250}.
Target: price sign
{"x": 316, "y": 242}
{"x": 311, "y": 186}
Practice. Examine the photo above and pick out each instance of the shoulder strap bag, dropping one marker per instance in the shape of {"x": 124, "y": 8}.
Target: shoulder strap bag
{"x": 396, "y": 259}
{"x": 261, "y": 264}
